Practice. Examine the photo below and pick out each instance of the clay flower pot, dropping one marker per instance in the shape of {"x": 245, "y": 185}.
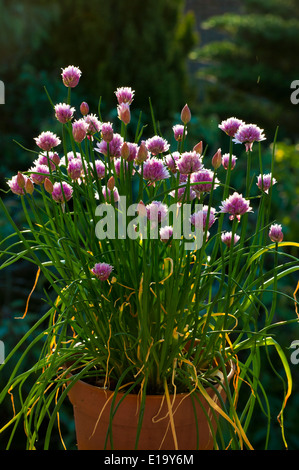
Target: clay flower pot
{"x": 191, "y": 417}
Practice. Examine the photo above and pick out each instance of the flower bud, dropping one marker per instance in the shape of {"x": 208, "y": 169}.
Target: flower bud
{"x": 124, "y": 113}
{"x": 29, "y": 186}
{"x": 84, "y": 108}
{"x": 111, "y": 183}
{"x": 21, "y": 180}
{"x": 198, "y": 147}
{"x": 141, "y": 209}
{"x": 217, "y": 160}
{"x": 48, "y": 185}
{"x": 185, "y": 114}
{"x": 125, "y": 151}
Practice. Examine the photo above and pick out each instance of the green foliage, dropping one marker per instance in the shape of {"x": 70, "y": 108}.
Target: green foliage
{"x": 251, "y": 71}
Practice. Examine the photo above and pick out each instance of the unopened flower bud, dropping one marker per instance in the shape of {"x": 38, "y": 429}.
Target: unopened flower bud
{"x": 124, "y": 113}
{"x": 125, "y": 151}
{"x": 29, "y": 186}
{"x": 84, "y": 108}
{"x": 142, "y": 153}
{"x": 48, "y": 185}
{"x": 141, "y": 209}
{"x": 186, "y": 114}
{"x": 198, "y": 147}
{"x": 111, "y": 183}
{"x": 55, "y": 158}
{"x": 217, "y": 160}
{"x": 20, "y": 180}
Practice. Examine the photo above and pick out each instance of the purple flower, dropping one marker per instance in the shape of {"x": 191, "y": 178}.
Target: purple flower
{"x": 181, "y": 194}
{"x": 39, "y": 173}
{"x": 171, "y": 161}
{"x": 17, "y": 184}
{"x": 275, "y": 233}
{"x": 156, "y": 145}
{"x": 69, "y": 156}
{"x": 124, "y": 95}
{"x": 47, "y": 140}
{"x": 107, "y": 131}
{"x": 94, "y": 125}
{"x": 71, "y": 76}
{"x": 100, "y": 169}
{"x": 114, "y": 146}
{"x": 114, "y": 192}
{"x": 64, "y": 112}
{"x": 62, "y": 192}
{"x": 52, "y": 162}
{"x": 227, "y": 238}
{"x": 75, "y": 168}
{"x": 166, "y": 233}
{"x": 264, "y": 182}
{"x": 225, "y": 161}
{"x": 102, "y": 271}
{"x": 230, "y": 126}
{"x": 156, "y": 211}
{"x": 247, "y": 134}
{"x": 204, "y": 179}
{"x": 154, "y": 170}
{"x": 178, "y": 131}
{"x": 189, "y": 162}
{"x": 200, "y": 218}
{"x": 80, "y": 129}
{"x": 236, "y": 205}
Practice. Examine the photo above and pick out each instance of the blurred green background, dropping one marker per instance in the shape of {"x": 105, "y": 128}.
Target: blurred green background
{"x": 223, "y": 58}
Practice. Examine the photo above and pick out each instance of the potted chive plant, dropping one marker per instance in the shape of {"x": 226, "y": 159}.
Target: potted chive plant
{"x": 157, "y": 290}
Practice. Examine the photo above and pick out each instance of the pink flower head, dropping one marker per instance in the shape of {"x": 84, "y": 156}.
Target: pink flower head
{"x": 156, "y": 211}
{"x": 225, "y": 161}
{"x": 275, "y": 233}
{"x": 107, "y": 131}
{"x": 17, "y": 184}
{"x": 69, "y": 156}
{"x": 62, "y": 192}
{"x": 182, "y": 196}
{"x": 80, "y": 129}
{"x": 230, "y": 126}
{"x": 111, "y": 193}
{"x": 53, "y": 160}
{"x": 156, "y": 145}
{"x": 204, "y": 179}
{"x": 178, "y": 131}
{"x": 124, "y": 95}
{"x": 100, "y": 169}
{"x": 154, "y": 170}
{"x": 102, "y": 271}
{"x": 236, "y": 205}
{"x": 94, "y": 125}
{"x": 75, "y": 168}
{"x": 200, "y": 218}
{"x": 64, "y": 112}
{"x": 189, "y": 162}
{"x": 247, "y": 134}
{"x": 171, "y": 161}
{"x": 114, "y": 146}
{"x": 71, "y": 76}
{"x": 124, "y": 113}
{"x": 264, "y": 182}
{"x": 227, "y": 238}
{"x": 39, "y": 173}
{"x": 166, "y": 233}
{"x": 47, "y": 140}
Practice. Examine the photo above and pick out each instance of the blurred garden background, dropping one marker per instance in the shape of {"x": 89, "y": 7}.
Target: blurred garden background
{"x": 223, "y": 58}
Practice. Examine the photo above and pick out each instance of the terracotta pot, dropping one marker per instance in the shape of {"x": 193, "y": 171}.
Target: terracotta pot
{"x": 92, "y": 406}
